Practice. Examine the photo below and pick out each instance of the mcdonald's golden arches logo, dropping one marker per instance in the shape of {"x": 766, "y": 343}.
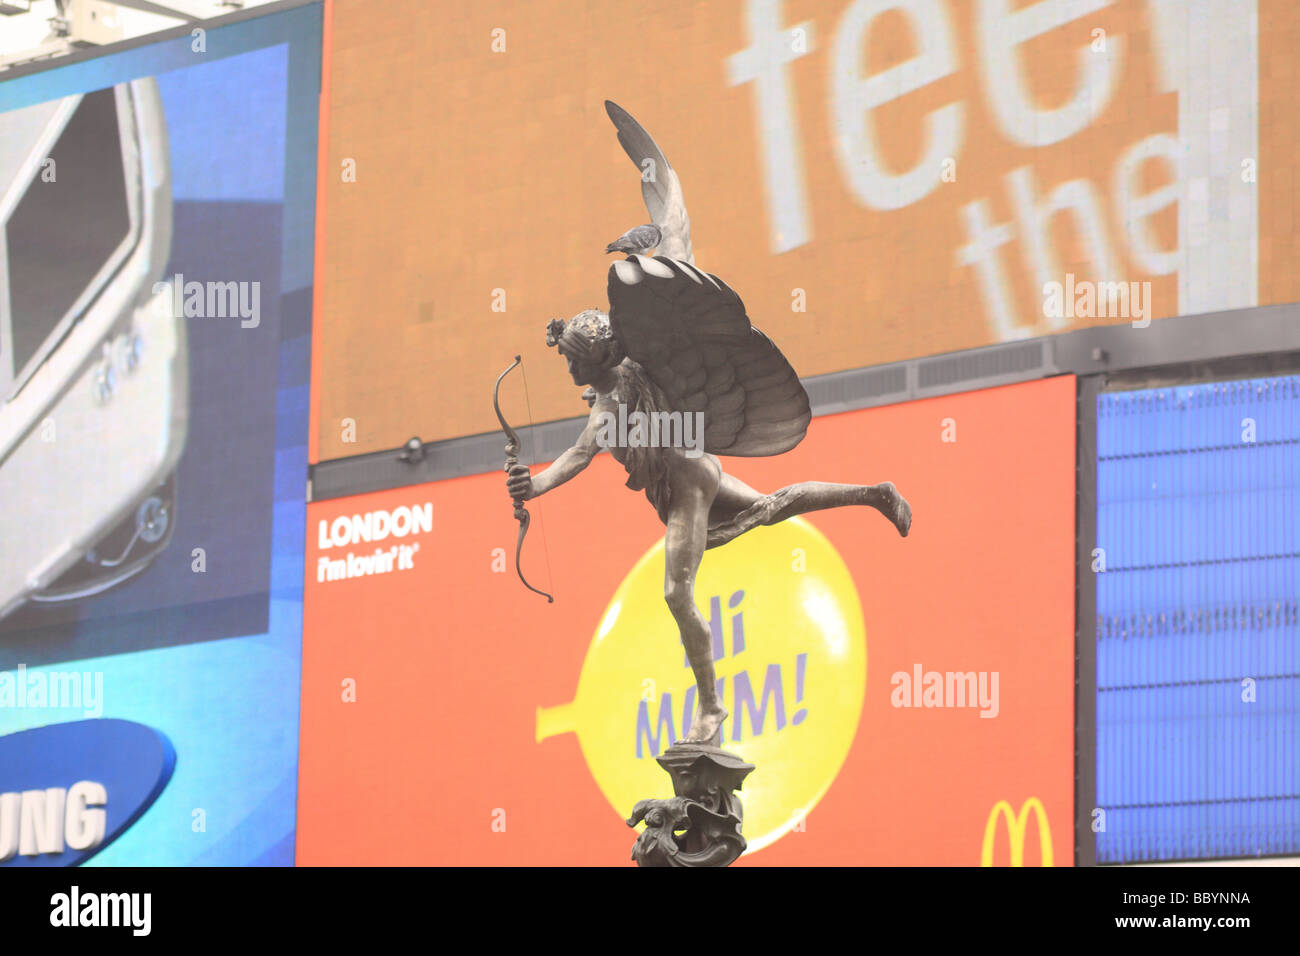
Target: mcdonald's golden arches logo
{"x": 1016, "y": 825}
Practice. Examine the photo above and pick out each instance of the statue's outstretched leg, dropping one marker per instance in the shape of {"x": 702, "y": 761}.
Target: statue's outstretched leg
{"x": 739, "y": 508}
{"x": 688, "y": 526}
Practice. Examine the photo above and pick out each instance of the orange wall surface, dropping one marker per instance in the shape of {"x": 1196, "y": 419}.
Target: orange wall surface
{"x": 471, "y": 178}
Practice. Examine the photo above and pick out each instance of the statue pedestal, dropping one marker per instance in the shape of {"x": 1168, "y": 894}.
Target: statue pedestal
{"x": 700, "y": 825}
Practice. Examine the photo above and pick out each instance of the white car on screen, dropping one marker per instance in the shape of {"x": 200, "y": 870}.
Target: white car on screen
{"x": 93, "y": 361}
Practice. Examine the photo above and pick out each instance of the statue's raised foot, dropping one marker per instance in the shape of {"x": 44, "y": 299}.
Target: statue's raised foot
{"x": 896, "y": 508}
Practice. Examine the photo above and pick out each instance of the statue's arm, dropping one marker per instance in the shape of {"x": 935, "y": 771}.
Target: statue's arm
{"x": 574, "y": 460}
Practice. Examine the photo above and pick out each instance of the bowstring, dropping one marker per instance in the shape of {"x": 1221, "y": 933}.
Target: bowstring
{"x": 532, "y": 442}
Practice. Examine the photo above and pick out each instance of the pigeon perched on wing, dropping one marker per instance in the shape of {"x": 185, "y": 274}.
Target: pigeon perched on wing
{"x": 660, "y": 188}
{"x": 640, "y": 239}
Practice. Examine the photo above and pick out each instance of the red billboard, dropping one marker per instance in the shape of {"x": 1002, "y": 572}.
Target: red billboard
{"x": 902, "y": 698}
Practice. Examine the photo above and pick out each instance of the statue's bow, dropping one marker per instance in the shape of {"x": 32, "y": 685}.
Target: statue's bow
{"x": 512, "y": 459}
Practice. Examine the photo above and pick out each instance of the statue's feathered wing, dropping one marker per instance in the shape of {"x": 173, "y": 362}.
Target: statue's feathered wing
{"x": 660, "y": 187}
{"x": 689, "y": 331}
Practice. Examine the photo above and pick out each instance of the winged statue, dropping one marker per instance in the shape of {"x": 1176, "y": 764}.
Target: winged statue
{"x": 677, "y": 345}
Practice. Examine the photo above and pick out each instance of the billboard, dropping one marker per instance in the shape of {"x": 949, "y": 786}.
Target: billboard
{"x": 156, "y": 235}
{"x": 1198, "y": 666}
{"x": 880, "y": 180}
{"x": 906, "y": 701}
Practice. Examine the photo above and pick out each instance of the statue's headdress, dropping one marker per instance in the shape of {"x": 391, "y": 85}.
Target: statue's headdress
{"x": 586, "y": 336}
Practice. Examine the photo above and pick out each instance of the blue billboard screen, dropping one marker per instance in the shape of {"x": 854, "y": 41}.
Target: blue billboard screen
{"x": 155, "y": 344}
{"x": 1198, "y": 635}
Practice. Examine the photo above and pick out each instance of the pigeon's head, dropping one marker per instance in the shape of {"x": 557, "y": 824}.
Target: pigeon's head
{"x": 587, "y": 343}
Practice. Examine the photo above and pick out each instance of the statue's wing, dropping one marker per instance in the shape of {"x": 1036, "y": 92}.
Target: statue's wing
{"x": 659, "y": 185}
{"x": 689, "y": 331}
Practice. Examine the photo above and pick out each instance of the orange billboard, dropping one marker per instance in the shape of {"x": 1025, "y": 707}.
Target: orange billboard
{"x": 878, "y": 179}
{"x": 905, "y": 700}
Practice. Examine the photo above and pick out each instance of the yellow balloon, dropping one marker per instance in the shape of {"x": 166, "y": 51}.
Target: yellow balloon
{"x": 791, "y": 660}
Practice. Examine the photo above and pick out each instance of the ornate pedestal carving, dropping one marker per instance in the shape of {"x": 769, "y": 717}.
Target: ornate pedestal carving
{"x": 700, "y": 826}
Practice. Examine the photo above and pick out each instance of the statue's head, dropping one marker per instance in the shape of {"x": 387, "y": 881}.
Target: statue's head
{"x": 587, "y": 343}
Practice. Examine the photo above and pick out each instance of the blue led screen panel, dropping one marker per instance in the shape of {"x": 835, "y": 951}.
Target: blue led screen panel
{"x": 1198, "y": 636}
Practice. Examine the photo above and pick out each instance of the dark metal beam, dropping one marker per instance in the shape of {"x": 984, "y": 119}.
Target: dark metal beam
{"x": 1085, "y": 622}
